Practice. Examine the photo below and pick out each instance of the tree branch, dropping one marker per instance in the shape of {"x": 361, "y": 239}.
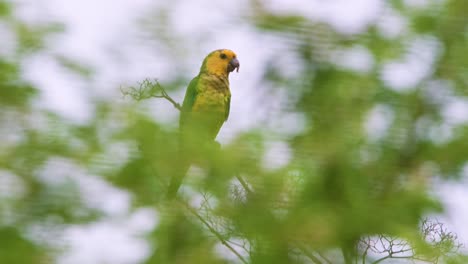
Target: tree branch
{"x": 306, "y": 252}
{"x": 441, "y": 242}
{"x": 324, "y": 257}
{"x": 214, "y": 232}
{"x": 149, "y": 89}
{"x": 244, "y": 184}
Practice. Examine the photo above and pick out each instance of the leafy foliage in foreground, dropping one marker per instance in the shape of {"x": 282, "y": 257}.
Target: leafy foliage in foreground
{"x": 345, "y": 194}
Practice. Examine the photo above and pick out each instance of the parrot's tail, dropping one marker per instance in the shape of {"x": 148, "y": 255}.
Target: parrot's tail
{"x": 176, "y": 180}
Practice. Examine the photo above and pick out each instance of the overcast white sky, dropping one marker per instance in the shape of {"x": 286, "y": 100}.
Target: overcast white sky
{"x": 105, "y": 36}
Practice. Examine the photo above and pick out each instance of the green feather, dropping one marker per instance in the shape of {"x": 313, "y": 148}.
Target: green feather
{"x": 228, "y": 108}
{"x": 189, "y": 100}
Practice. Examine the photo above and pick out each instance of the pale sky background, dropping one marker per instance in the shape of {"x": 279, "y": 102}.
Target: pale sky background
{"x": 105, "y": 35}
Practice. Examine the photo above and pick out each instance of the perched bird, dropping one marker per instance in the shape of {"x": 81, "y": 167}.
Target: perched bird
{"x": 204, "y": 110}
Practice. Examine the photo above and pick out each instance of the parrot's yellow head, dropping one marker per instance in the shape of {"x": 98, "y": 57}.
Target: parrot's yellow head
{"x": 220, "y": 62}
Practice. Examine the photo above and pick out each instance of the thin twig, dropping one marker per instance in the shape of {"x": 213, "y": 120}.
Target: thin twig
{"x": 324, "y": 257}
{"x": 149, "y": 89}
{"x": 306, "y": 252}
{"x": 213, "y": 231}
{"x": 167, "y": 97}
{"x": 364, "y": 255}
{"x": 244, "y": 184}
{"x": 442, "y": 242}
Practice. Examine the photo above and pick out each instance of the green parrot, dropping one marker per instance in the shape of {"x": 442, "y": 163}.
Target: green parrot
{"x": 204, "y": 110}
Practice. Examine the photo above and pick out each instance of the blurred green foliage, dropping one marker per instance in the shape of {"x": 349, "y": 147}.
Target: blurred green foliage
{"x": 340, "y": 192}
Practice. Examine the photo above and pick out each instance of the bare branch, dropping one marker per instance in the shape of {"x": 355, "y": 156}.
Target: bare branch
{"x": 149, "y": 89}
{"x": 364, "y": 254}
{"x": 306, "y": 252}
{"x": 441, "y": 241}
{"x": 324, "y": 257}
{"x": 244, "y": 184}
{"x": 213, "y": 231}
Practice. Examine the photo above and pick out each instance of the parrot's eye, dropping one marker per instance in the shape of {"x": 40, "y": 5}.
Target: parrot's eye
{"x": 223, "y": 56}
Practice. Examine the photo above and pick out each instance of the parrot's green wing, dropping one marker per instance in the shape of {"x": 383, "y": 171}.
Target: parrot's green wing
{"x": 228, "y": 108}
{"x": 189, "y": 100}
{"x": 187, "y": 105}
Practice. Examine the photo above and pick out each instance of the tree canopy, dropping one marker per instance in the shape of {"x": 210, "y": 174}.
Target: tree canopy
{"x": 356, "y": 131}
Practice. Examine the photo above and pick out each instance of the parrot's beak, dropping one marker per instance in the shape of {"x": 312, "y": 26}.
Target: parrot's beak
{"x": 233, "y": 64}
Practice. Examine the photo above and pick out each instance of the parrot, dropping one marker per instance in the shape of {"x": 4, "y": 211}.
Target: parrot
{"x": 204, "y": 110}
